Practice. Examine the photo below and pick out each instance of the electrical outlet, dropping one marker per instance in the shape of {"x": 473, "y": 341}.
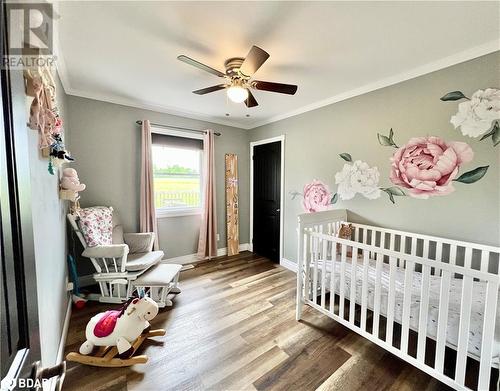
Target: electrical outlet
{"x": 69, "y": 286}
{"x": 218, "y": 237}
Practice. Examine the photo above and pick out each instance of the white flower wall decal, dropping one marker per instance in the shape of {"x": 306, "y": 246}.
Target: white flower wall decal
{"x": 358, "y": 178}
{"x": 478, "y": 115}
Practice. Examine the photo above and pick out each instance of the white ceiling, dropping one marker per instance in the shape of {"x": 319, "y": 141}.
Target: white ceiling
{"x": 125, "y": 52}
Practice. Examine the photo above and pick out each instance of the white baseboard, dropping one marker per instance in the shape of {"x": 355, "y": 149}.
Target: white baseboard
{"x": 223, "y": 251}
{"x": 185, "y": 259}
{"x": 182, "y": 260}
{"x": 290, "y": 265}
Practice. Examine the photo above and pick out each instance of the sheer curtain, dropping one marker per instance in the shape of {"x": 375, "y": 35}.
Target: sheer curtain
{"x": 147, "y": 205}
{"x": 207, "y": 243}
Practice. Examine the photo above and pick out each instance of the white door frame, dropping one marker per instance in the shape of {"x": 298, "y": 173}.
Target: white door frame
{"x": 282, "y": 188}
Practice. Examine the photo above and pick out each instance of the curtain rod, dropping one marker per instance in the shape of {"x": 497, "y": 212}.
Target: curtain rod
{"x": 176, "y": 127}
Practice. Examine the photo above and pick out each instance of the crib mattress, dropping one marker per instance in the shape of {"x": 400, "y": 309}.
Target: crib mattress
{"x": 477, "y": 305}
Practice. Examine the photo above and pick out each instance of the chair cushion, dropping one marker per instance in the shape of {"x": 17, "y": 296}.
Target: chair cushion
{"x": 159, "y": 275}
{"x": 141, "y": 261}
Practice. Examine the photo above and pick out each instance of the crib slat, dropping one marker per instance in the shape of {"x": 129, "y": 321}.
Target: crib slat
{"x": 439, "y": 255}
{"x": 352, "y": 299}
{"x": 376, "y": 304}
{"x": 309, "y": 259}
{"x": 444, "y": 296}
{"x": 342, "y": 280}
{"x": 413, "y": 246}
{"x": 488, "y": 334}
{"x": 382, "y": 239}
{"x": 332, "y": 277}
{"x": 315, "y": 271}
{"x": 405, "y": 326}
{"x": 463, "y": 332}
{"x": 485, "y": 255}
{"x": 403, "y": 249}
{"x": 453, "y": 254}
{"x": 323, "y": 272}
{"x": 424, "y": 311}
{"x": 390, "y": 300}
{"x": 425, "y": 251}
{"x": 373, "y": 238}
{"x": 364, "y": 291}
{"x": 468, "y": 257}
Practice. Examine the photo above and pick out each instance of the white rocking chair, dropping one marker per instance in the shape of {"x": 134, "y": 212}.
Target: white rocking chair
{"x": 119, "y": 264}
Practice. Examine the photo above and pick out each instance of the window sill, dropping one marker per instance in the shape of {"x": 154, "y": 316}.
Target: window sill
{"x": 162, "y": 214}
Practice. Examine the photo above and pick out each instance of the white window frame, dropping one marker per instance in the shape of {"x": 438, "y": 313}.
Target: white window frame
{"x": 181, "y": 211}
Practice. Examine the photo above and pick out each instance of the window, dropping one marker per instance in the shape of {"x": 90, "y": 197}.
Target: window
{"x": 177, "y": 179}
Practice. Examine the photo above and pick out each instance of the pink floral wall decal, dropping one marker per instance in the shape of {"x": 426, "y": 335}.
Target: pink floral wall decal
{"x": 428, "y": 166}
{"x": 317, "y": 197}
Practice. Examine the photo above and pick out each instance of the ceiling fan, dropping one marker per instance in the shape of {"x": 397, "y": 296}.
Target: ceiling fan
{"x": 238, "y": 75}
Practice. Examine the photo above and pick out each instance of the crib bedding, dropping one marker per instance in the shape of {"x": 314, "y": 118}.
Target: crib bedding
{"x": 477, "y": 305}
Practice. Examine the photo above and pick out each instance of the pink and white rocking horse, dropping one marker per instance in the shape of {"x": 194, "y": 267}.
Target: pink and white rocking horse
{"x": 118, "y": 333}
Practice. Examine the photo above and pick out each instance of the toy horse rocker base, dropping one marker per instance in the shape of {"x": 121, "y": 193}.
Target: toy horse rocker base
{"x": 118, "y": 334}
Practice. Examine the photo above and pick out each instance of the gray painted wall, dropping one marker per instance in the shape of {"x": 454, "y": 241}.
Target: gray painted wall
{"x": 50, "y": 243}
{"x": 412, "y": 108}
{"x": 106, "y": 143}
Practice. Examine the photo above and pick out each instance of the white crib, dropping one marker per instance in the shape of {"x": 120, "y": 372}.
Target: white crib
{"x": 406, "y": 292}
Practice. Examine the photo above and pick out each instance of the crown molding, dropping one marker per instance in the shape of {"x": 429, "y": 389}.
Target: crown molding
{"x": 152, "y": 107}
{"x": 466, "y": 55}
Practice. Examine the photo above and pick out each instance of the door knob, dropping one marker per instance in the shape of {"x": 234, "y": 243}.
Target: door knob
{"x": 277, "y": 210}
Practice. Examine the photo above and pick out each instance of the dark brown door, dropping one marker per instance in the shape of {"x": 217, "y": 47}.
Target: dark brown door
{"x": 266, "y": 200}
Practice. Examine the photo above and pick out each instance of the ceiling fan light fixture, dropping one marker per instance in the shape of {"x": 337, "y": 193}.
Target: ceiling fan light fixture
{"x": 237, "y": 93}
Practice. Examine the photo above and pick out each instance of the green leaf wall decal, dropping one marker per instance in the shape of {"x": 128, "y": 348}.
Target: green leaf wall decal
{"x": 346, "y": 157}
{"x": 394, "y": 191}
{"x": 496, "y": 135}
{"x": 295, "y": 194}
{"x": 454, "y": 95}
{"x": 335, "y": 198}
{"x": 384, "y": 140}
{"x": 473, "y": 175}
{"x": 387, "y": 141}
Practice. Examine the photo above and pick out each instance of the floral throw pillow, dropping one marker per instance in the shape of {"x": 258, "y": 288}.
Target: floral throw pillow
{"x": 96, "y": 225}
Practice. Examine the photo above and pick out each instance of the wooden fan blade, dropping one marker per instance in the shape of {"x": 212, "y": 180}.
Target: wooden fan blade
{"x": 253, "y": 61}
{"x": 204, "y": 91}
{"x": 274, "y": 87}
{"x": 201, "y": 66}
{"x": 250, "y": 101}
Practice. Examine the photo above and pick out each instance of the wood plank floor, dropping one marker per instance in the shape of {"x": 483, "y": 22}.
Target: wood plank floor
{"x": 233, "y": 328}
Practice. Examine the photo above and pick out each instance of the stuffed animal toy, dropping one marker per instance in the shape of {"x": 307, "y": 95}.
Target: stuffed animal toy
{"x": 58, "y": 152}
{"x": 70, "y": 181}
{"x": 120, "y": 328}
{"x": 345, "y": 232}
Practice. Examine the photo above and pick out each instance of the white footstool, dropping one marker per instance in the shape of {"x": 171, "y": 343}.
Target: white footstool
{"x": 161, "y": 280}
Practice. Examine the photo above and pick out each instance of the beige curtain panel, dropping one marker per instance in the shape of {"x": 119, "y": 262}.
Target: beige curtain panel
{"x": 207, "y": 243}
{"x": 147, "y": 205}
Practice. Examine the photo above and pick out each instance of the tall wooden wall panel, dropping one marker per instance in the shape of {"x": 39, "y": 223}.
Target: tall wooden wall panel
{"x": 232, "y": 208}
